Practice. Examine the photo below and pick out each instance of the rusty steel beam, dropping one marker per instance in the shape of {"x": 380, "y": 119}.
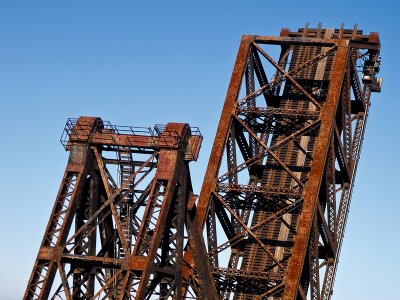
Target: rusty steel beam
{"x": 143, "y": 139}
{"x": 229, "y": 107}
{"x": 270, "y": 217}
{"x": 119, "y": 234}
{"x": 271, "y": 206}
{"x": 307, "y": 215}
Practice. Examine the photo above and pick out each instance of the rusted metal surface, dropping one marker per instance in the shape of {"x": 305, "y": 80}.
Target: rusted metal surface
{"x": 270, "y": 217}
{"x": 308, "y": 213}
{"x": 117, "y": 229}
{"x": 276, "y": 191}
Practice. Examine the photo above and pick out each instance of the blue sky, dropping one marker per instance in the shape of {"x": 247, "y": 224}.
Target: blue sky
{"x": 137, "y": 63}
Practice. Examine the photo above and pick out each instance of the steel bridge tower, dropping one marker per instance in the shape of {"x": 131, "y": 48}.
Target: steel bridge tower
{"x": 270, "y": 217}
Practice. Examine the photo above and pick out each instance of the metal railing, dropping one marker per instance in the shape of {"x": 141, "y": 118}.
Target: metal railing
{"x": 82, "y": 131}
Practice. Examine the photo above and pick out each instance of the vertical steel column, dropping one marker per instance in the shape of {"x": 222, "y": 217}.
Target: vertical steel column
{"x": 170, "y": 180}
{"x": 107, "y": 254}
{"x": 210, "y": 178}
{"x": 48, "y": 259}
{"x": 311, "y": 190}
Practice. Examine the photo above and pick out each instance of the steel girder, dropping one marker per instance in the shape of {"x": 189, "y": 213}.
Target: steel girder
{"x": 274, "y": 200}
{"x": 117, "y": 229}
{"x": 276, "y": 193}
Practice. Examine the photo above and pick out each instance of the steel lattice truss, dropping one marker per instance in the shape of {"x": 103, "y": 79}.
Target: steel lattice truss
{"x": 118, "y": 220}
{"x": 277, "y": 188}
{"x": 274, "y": 200}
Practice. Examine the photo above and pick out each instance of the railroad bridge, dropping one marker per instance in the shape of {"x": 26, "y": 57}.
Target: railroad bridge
{"x": 269, "y": 220}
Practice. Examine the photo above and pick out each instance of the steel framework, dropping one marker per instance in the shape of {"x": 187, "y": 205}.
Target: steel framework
{"x": 276, "y": 193}
{"x": 274, "y": 200}
{"x": 118, "y": 220}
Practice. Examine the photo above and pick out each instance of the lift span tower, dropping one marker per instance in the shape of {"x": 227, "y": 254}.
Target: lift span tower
{"x": 269, "y": 220}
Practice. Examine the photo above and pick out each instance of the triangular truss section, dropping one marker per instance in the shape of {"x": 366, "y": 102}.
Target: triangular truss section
{"x": 284, "y": 161}
{"x": 117, "y": 229}
{"x": 270, "y": 218}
